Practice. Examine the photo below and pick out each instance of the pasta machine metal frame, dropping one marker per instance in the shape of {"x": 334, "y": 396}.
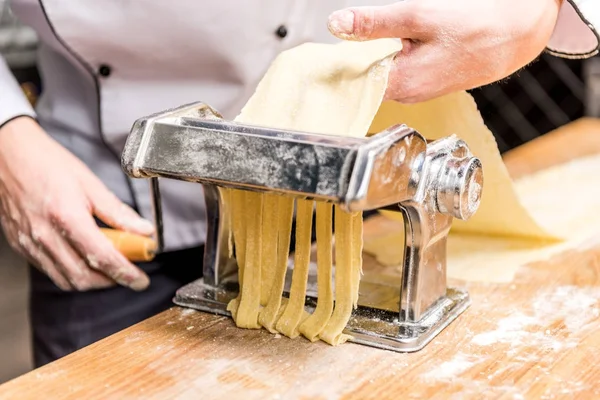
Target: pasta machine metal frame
{"x": 429, "y": 183}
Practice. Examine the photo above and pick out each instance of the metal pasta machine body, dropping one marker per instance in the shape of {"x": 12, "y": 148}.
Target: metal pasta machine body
{"x": 396, "y": 169}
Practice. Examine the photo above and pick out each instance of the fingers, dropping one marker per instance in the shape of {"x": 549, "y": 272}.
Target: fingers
{"x": 48, "y": 252}
{"x": 113, "y": 212}
{"x": 46, "y": 265}
{"x": 405, "y": 20}
{"x": 35, "y": 254}
{"x": 422, "y": 72}
{"x": 401, "y": 20}
{"x": 72, "y": 266}
{"x": 81, "y": 232}
{"x": 403, "y": 83}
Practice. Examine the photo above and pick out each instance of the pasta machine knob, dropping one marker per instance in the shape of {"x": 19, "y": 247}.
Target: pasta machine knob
{"x": 459, "y": 187}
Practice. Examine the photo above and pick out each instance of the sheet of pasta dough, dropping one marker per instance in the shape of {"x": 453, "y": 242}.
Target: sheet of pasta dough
{"x": 497, "y": 259}
{"x": 338, "y": 89}
{"x": 323, "y": 88}
{"x": 501, "y": 213}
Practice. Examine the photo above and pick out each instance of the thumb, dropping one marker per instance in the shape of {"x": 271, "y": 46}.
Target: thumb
{"x": 399, "y": 20}
{"x": 112, "y": 211}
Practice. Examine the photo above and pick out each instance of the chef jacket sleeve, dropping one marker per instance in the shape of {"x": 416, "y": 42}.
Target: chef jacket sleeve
{"x": 13, "y": 102}
{"x": 576, "y": 31}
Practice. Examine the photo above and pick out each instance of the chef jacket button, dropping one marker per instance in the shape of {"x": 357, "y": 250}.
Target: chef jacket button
{"x": 104, "y": 70}
{"x": 281, "y": 31}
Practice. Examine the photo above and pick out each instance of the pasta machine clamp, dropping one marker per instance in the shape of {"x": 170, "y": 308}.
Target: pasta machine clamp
{"x": 430, "y": 184}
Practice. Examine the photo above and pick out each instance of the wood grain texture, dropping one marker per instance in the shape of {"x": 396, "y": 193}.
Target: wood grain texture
{"x": 578, "y": 139}
{"x": 537, "y": 337}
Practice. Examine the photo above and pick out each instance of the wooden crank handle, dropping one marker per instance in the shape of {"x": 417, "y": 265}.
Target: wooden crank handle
{"x": 133, "y": 247}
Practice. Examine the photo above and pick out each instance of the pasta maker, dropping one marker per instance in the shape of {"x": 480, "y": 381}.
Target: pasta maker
{"x": 429, "y": 183}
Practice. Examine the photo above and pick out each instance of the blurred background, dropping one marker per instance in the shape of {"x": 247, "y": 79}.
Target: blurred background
{"x": 18, "y": 47}
{"x": 549, "y": 93}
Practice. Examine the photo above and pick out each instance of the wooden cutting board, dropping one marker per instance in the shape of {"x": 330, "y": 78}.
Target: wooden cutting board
{"x": 537, "y": 337}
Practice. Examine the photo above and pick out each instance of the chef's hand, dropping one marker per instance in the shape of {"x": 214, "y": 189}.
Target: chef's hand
{"x": 452, "y": 45}
{"x": 48, "y": 199}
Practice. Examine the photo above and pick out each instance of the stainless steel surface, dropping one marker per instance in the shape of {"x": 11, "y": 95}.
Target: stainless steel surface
{"x": 430, "y": 184}
{"x": 368, "y": 325}
{"x": 450, "y": 186}
{"x": 157, "y": 211}
{"x": 383, "y": 329}
{"x": 219, "y": 267}
{"x": 359, "y": 174}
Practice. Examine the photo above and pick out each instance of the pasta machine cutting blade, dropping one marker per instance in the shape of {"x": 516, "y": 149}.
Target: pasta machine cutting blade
{"x": 430, "y": 184}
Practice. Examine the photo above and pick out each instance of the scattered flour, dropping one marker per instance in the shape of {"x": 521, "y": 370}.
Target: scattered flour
{"x": 572, "y": 310}
{"x": 451, "y": 369}
{"x": 576, "y": 307}
{"x": 187, "y": 311}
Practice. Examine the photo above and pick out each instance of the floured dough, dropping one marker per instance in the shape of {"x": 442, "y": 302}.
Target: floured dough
{"x": 501, "y": 212}
{"x": 552, "y": 198}
{"x": 292, "y": 315}
{"x": 312, "y": 327}
{"x": 338, "y": 90}
{"x": 329, "y": 89}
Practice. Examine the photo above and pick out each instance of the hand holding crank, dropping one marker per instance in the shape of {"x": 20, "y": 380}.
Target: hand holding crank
{"x": 48, "y": 199}
{"x": 452, "y": 45}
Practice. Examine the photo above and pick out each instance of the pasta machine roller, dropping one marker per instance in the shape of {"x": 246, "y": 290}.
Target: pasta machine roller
{"x": 429, "y": 183}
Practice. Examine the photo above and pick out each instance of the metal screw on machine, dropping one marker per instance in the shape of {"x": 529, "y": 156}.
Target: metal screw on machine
{"x": 459, "y": 184}
{"x": 396, "y": 169}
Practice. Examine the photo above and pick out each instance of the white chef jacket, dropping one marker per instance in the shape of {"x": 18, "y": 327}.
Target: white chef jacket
{"x": 105, "y": 63}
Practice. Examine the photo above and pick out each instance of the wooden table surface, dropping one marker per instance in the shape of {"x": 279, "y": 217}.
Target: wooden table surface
{"x": 537, "y": 337}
